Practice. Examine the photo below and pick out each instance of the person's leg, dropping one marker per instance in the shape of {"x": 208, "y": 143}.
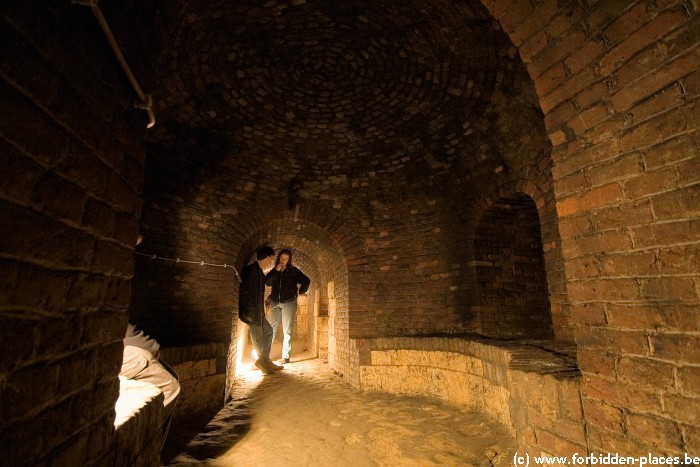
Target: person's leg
{"x": 256, "y": 334}
{"x": 142, "y": 365}
{"x": 266, "y": 339}
{"x": 275, "y": 318}
{"x": 289, "y": 312}
{"x": 169, "y": 410}
{"x": 262, "y": 342}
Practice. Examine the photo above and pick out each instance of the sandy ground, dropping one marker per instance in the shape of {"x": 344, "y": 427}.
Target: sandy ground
{"x": 308, "y": 415}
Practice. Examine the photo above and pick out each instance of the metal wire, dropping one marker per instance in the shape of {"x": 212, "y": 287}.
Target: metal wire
{"x": 178, "y": 260}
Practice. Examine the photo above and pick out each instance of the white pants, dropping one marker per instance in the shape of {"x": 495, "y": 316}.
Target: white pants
{"x": 142, "y": 365}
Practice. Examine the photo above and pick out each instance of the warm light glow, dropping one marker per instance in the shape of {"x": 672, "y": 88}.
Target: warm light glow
{"x": 245, "y": 354}
{"x": 133, "y": 396}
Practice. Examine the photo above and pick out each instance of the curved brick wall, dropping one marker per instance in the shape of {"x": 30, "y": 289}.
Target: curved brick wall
{"x": 377, "y": 133}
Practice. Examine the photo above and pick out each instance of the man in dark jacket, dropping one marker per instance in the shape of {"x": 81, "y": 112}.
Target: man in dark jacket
{"x": 251, "y": 308}
{"x": 287, "y": 283}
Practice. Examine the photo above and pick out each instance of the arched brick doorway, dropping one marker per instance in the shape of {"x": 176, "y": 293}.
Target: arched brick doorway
{"x": 512, "y": 292}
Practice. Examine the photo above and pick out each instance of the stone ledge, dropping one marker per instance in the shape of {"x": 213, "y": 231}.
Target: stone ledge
{"x": 541, "y": 356}
{"x": 518, "y": 383}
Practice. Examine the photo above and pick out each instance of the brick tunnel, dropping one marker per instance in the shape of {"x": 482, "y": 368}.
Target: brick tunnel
{"x": 496, "y": 203}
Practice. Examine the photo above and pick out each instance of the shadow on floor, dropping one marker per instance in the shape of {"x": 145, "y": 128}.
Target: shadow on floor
{"x": 206, "y": 436}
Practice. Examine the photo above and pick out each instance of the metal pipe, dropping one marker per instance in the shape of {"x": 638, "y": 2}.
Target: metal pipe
{"x": 146, "y": 101}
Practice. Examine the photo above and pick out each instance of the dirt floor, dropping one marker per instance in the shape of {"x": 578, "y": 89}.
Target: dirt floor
{"x": 308, "y": 415}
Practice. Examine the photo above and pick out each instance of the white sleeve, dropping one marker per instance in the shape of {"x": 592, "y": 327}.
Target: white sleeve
{"x": 139, "y": 339}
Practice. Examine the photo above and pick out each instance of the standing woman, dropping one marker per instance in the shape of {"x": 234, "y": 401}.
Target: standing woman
{"x": 287, "y": 283}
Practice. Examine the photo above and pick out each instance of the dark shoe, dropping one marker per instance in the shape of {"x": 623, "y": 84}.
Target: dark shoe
{"x": 272, "y": 365}
{"x": 286, "y": 360}
{"x": 264, "y": 367}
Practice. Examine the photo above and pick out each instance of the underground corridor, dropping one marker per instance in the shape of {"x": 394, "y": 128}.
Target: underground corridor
{"x": 496, "y": 202}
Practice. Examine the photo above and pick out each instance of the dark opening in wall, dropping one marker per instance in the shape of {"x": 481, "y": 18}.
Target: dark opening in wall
{"x": 512, "y": 298}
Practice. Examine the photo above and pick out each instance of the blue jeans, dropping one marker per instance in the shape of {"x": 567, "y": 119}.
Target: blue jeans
{"x": 287, "y": 313}
{"x": 261, "y": 335}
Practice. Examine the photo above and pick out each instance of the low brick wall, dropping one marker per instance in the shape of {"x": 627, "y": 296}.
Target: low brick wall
{"x": 138, "y": 422}
{"x": 531, "y": 386}
{"x": 202, "y": 372}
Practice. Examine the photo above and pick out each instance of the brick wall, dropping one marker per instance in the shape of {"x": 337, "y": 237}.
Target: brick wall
{"x": 72, "y": 165}
{"x": 596, "y": 126}
{"x": 510, "y": 273}
{"x": 617, "y": 82}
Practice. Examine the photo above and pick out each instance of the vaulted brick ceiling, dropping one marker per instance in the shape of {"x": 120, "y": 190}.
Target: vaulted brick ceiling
{"x": 345, "y": 90}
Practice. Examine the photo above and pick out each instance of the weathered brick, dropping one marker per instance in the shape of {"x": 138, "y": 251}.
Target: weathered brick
{"x": 662, "y": 102}
{"x": 568, "y": 88}
{"x": 57, "y": 336}
{"x": 559, "y": 444}
{"x": 658, "y": 432}
{"x": 645, "y": 372}
{"x": 20, "y": 175}
{"x": 647, "y": 85}
{"x": 679, "y": 348}
{"x": 589, "y": 118}
{"x": 550, "y": 79}
{"x": 604, "y": 13}
{"x": 692, "y": 438}
{"x": 98, "y": 217}
{"x": 602, "y": 440}
{"x": 556, "y": 51}
{"x": 607, "y": 339}
{"x": 111, "y": 258}
{"x": 584, "y": 158}
{"x": 669, "y": 288}
{"x": 59, "y": 198}
{"x": 534, "y": 23}
{"x": 623, "y": 394}
{"x": 565, "y": 21}
{"x": 584, "y": 56}
{"x": 637, "y": 67}
{"x": 560, "y": 114}
{"x": 593, "y": 199}
{"x": 581, "y": 268}
{"x": 653, "y": 131}
{"x": 594, "y": 93}
{"x": 659, "y": 181}
{"x": 533, "y": 46}
{"x": 688, "y": 379}
{"x": 572, "y": 184}
{"x": 628, "y": 264}
{"x": 575, "y": 226}
{"x": 683, "y": 38}
{"x": 19, "y": 396}
{"x": 667, "y": 233}
{"x": 606, "y": 131}
{"x": 641, "y": 38}
{"x": 675, "y": 149}
{"x": 677, "y": 408}
{"x": 514, "y": 16}
{"x": 589, "y": 314}
{"x": 609, "y": 290}
{"x": 620, "y": 168}
{"x": 609, "y": 242}
{"x": 637, "y": 317}
{"x": 628, "y": 22}
{"x": 688, "y": 170}
{"x": 603, "y": 415}
{"x": 677, "y": 259}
